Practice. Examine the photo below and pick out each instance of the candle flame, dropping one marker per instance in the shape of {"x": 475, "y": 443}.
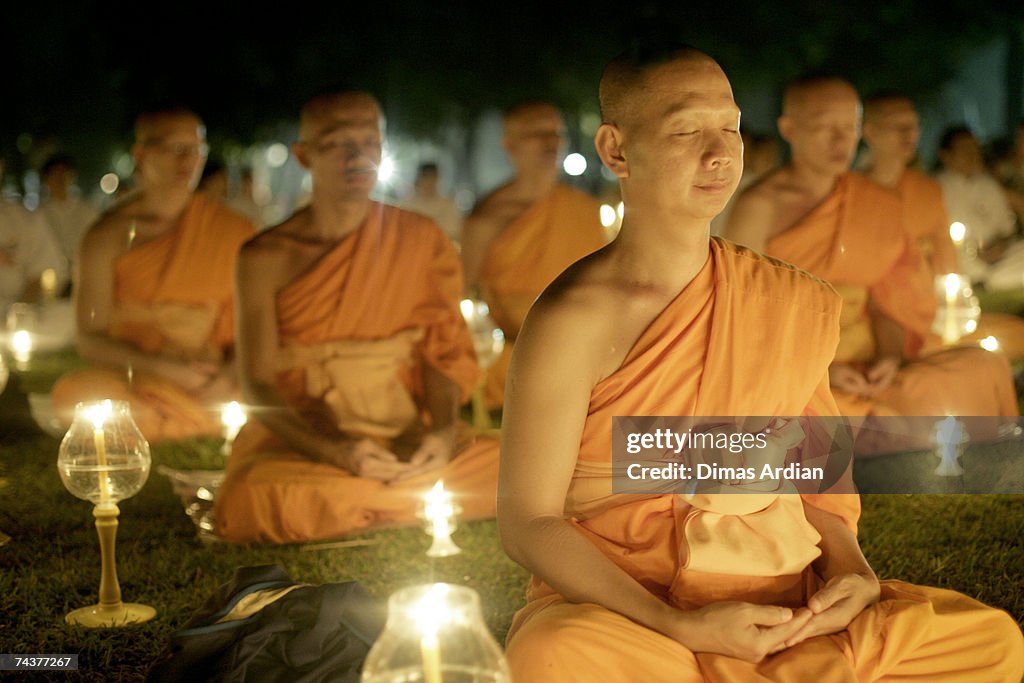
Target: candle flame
{"x": 468, "y": 308}
{"x": 957, "y": 232}
{"x": 990, "y": 343}
{"x": 952, "y": 286}
{"x": 98, "y": 413}
{"x": 607, "y": 215}
{"x": 21, "y": 345}
{"x": 233, "y": 416}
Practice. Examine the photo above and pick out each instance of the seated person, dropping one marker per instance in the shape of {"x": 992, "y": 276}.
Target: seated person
{"x": 354, "y": 354}
{"x": 702, "y": 588}
{"x": 848, "y": 230}
{"x": 519, "y": 237}
{"x": 154, "y": 295}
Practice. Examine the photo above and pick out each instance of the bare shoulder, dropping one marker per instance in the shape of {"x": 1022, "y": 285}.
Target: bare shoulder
{"x": 112, "y": 231}
{"x": 272, "y": 255}
{"x": 753, "y": 217}
{"x": 569, "y": 326}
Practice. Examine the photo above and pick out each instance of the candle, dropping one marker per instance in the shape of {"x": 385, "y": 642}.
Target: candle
{"x": 950, "y": 332}
{"x": 48, "y": 284}
{"x": 957, "y": 232}
{"x": 21, "y": 346}
{"x": 98, "y": 414}
{"x": 440, "y": 512}
{"x": 431, "y": 652}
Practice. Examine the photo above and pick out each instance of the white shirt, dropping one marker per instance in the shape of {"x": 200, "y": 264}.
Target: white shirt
{"x": 30, "y": 247}
{"x": 69, "y": 219}
{"x": 979, "y": 203}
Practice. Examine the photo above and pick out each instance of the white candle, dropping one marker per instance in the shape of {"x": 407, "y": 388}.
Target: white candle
{"x": 98, "y": 416}
{"x": 950, "y": 332}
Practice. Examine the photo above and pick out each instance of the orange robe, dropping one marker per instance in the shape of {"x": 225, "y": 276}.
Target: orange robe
{"x": 173, "y": 296}
{"x": 926, "y": 221}
{"x": 843, "y": 241}
{"x": 355, "y": 331}
{"x": 748, "y": 336}
{"x": 526, "y": 257}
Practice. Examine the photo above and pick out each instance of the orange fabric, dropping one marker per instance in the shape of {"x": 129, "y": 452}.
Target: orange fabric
{"x": 926, "y": 221}
{"x": 914, "y": 634}
{"x": 194, "y": 264}
{"x": 843, "y": 241}
{"x": 173, "y": 296}
{"x": 527, "y": 256}
{"x": 396, "y": 275}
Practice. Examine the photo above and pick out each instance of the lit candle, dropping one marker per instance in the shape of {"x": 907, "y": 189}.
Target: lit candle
{"x": 439, "y": 513}
{"x": 990, "y": 343}
{"x": 957, "y": 232}
{"x": 21, "y": 346}
{"x": 950, "y": 332}
{"x": 430, "y": 613}
{"x": 233, "y": 417}
{"x": 98, "y": 414}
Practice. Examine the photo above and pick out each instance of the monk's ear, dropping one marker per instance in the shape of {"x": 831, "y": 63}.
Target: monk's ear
{"x": 301, "y": 154}
{"x": 785, "y": 124}
{"x": 608, "y": 142}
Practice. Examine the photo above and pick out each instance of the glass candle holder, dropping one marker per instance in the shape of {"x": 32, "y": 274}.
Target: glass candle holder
{"x": 958, "y": 309}
{"x": 435, "y": 633}
{"x": 104, "y": 459}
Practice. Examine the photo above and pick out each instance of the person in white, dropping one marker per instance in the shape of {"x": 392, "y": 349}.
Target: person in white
{"x": 67, "y": 214}
{"x": 976, "y": 199}
{"x": 27, "y": 249}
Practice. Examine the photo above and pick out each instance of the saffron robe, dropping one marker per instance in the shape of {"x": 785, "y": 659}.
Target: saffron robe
{"x": 355, "y": 332}
{"x": 843, "y": 241}
{"x": 748, "y": 336}
{"x": 528, "y": 254}
{"x": 173, "y": 297}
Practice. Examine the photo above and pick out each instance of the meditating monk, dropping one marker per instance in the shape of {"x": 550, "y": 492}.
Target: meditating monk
{"x": 848, "y": 230}
{"x": 527, "y": 231}
{"x": 154, "y": 291}
{"x": 354, "y": 354}
{"x": 892, "y": 131}
{"x": 667, "y": 587}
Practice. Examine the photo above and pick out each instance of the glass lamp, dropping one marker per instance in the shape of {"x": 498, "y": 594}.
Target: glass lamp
{"x": 958, "y": 308}
{"x": 488, "y": 342}
{"x": 104, "y": 459}
{"x": 435, "y": 633}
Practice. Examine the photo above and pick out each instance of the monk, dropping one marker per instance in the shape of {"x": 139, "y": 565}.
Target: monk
{"x": 353, "y": 350}
{"x": 660, "y": 587}
{"x": 848, "y": 230}
{"x": 892, "y": 131}
{"x": 527, "y": 231}
{"x": 154, "y": 293}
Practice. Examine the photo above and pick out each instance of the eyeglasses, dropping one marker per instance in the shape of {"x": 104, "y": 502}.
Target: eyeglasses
{"x": 181, "y": 149}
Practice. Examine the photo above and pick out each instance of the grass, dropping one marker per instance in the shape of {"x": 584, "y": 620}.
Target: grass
{"x": 969, "y": 543}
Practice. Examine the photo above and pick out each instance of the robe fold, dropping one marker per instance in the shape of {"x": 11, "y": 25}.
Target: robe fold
{"x": 528, "y": 254}
{"x": 843, "y": 241}
{"x": 727, "y": 346}
{"x": 173, "y": 297}
{"x": 926, "y": 221}
{"x": 355, "y": 333}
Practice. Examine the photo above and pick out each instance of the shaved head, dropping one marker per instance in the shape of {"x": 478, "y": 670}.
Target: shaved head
{"x": 625, "y": 79}
{"x": 883, "y": 104}
{"x": 524, "y": 112}
{"x": 325, "y": 112}
{"x": 154, "y": 125}
{"x": 809, "y": 92}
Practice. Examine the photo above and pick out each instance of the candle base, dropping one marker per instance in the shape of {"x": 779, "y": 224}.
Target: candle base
{"x": 443, "y": 546}
{"x": 110, "y": 616}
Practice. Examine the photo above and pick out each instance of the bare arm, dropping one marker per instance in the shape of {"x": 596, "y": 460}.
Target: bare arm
{"x": 94, "y": 302}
